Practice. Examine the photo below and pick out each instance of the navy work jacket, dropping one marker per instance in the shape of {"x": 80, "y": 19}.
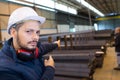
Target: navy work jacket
{"x": 11, "y": 68}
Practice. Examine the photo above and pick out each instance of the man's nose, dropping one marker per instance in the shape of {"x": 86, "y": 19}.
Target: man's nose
{"x": 35, "y": 36}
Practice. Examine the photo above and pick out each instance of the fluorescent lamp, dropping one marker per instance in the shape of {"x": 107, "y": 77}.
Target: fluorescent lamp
{"x": 84, "y": 3}
{"x": 20, "y": 2}
{"x": 45, "y": 8}
{"x": 72, "y": 10}
{"x": 48, "y": 3}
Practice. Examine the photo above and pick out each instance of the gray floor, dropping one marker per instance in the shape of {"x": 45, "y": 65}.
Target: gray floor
{"x": 107, "y": 72}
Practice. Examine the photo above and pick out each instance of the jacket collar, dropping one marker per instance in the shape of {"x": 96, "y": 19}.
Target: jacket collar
{"x": 8, "y": 49}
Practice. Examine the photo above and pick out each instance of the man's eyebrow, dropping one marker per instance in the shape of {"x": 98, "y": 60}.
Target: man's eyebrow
{"x": 32, "y": 29}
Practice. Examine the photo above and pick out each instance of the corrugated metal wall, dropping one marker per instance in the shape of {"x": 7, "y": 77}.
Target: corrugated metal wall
{"x": 108, "y": 22}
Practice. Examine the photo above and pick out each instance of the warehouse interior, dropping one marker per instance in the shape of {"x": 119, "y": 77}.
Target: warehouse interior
{"x": 83, "y": 26}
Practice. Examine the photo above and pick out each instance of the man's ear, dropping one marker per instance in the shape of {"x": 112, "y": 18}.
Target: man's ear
{"x": 13, "y": 32}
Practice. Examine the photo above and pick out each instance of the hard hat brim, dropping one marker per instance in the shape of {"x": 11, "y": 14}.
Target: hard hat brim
{"x": 37, "y": 18}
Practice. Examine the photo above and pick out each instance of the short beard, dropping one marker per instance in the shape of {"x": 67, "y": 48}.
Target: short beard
{"x": 22, "y": 46}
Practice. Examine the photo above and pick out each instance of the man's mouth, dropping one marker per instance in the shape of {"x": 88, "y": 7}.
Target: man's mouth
{"x": 33, "y": 43}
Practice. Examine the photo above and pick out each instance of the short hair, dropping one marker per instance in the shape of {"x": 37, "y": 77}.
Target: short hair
{"x": 16, "y": 26}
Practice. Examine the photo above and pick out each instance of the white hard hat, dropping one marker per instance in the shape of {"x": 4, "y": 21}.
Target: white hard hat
{"x": 22, "y": 14}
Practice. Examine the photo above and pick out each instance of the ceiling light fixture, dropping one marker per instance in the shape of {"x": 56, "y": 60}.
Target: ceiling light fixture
{"x": 84, "y": 3}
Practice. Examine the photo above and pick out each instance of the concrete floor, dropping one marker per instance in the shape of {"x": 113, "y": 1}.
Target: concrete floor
{"x": 107, "y": 72}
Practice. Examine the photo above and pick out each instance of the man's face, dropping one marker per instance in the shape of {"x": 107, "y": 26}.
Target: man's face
{"x": 28, "y": 35}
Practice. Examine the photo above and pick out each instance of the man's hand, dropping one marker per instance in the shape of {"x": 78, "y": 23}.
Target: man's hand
{"x": 58, "y": 42}
{"x": 49, "y": 62}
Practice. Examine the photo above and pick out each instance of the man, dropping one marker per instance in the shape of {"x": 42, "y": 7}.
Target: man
{"x": 117, "y": 47}
{"x": 21, "y": 56}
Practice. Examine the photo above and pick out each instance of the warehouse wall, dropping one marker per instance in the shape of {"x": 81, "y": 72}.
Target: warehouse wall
{"x": 70, "y": 23}
{"x": 48, "y": 27}
{"x": 110, "y": 22}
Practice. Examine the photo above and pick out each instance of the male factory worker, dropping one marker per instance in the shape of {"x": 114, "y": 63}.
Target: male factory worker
{"x": 117, "y": 47}
{"x": 21, "y": 55}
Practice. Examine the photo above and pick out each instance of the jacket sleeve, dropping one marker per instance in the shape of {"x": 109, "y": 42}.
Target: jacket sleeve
{"x": 9, "y": 76}
{"x": 48, "y": 74}
{"x": 46, "y": 47}
{"x": 117, "y": 40}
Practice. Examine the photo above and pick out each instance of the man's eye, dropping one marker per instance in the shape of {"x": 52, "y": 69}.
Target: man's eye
{"x": 38, "y": 32}
{"x": 28, "y": 31}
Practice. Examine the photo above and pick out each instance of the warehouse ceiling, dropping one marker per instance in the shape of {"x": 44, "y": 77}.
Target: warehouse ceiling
{"x": 107, "y": 7}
